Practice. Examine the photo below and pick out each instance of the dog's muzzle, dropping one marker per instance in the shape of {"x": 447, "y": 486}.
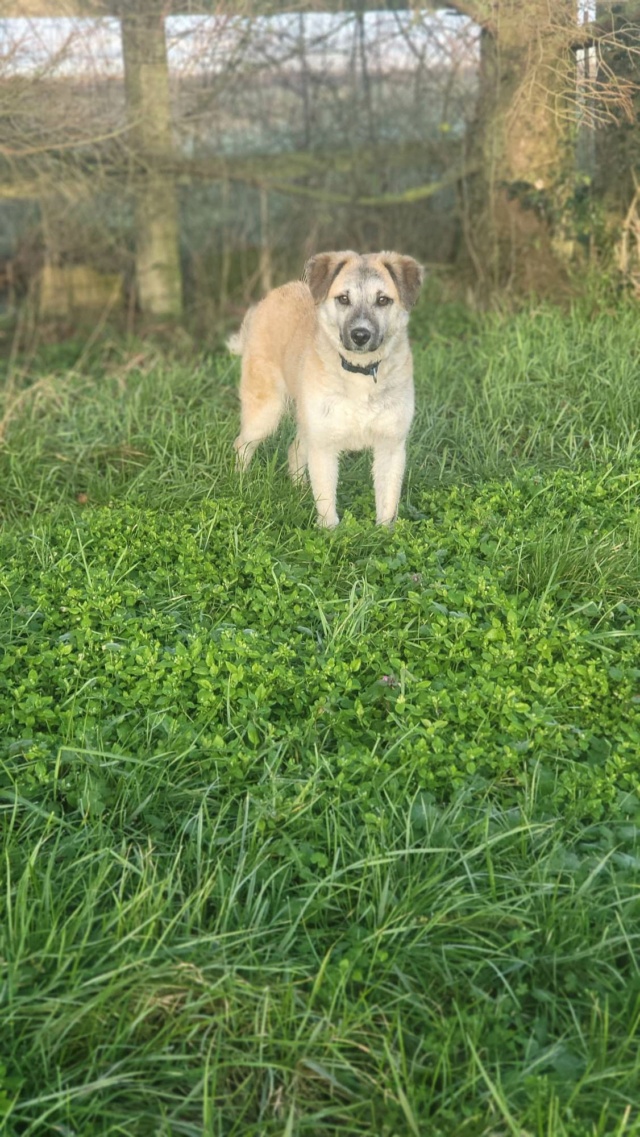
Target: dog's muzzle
{"x": 361, "y": 335}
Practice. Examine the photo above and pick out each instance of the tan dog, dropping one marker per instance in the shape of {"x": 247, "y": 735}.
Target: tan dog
{"x": 337, "y": 345}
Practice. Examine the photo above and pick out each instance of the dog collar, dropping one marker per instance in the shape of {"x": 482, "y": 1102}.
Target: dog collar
{"x": 370, "y": 369}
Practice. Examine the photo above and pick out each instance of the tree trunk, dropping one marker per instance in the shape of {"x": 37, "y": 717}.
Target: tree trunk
{"x": 158, "y": 271}
{"x": 522, "y": 145}
{"x": 618, "y": 80}
{"x": 265, "y": 260}
{"x": 617, "y": 143}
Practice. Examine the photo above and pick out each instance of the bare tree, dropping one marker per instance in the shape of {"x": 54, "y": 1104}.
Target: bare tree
{"x": 520, "y": 142}
{"x": 277, "y": 133}
{"x": 517, "y": 202}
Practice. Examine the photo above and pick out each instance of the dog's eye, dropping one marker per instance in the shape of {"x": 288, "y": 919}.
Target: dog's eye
{"x": 382, "y": 301}
{"x": 343, "y": 299}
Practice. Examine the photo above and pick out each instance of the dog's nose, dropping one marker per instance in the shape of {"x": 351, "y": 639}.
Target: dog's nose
{"x": 360, "y": 336}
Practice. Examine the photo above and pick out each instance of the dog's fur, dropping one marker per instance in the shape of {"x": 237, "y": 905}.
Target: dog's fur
{"x": 293, "y": 343}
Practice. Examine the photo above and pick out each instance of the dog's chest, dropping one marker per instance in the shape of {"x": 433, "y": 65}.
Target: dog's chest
{"x": 361, "y": 415}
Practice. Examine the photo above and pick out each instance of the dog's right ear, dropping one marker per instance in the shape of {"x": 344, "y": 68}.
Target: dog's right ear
{"x": 321, "y": 271}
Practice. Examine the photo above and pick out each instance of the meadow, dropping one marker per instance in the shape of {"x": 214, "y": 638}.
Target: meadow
{"x": 326, "y": 834}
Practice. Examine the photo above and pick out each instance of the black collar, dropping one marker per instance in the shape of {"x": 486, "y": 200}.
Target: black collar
{"x": 370, "y": 369}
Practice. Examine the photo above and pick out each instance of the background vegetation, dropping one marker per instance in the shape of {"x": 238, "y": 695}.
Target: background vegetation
{"x": 166, "y": 160}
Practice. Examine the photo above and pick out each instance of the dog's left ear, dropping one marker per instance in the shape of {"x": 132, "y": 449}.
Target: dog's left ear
{"x": 321, "y": 271}
{"x": 407, "y": 276}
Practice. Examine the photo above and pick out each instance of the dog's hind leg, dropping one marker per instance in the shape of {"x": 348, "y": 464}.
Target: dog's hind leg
{"x": 297, "y": 458}
{"x": 262, "y": 396}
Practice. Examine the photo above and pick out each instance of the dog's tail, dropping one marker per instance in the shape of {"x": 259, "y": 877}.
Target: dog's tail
{"x": 237, "y": 342}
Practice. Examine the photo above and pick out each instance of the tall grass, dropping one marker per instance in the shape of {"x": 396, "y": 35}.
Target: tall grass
{"x": 536, "y": 390}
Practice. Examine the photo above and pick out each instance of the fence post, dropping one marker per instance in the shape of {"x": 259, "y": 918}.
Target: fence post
{"x": 146, "y": 71}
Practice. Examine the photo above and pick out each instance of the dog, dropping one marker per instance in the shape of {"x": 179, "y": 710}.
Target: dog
{"x": 336, "y": 344}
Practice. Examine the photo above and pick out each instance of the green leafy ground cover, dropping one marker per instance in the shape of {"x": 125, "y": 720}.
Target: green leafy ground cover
{"x": 324, "y": 834}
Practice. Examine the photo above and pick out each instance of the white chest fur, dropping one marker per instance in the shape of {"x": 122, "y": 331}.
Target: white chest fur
{"x": 354, "y": 412}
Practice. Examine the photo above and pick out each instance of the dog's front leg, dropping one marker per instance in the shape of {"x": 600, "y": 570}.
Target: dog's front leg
{"x": 323, "y": 475}
{"x": 388, "y": 471}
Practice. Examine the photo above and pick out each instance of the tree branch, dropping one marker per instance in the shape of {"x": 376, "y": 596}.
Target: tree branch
{"x": 480, "y": 11}
{"x": 612, "y": 24}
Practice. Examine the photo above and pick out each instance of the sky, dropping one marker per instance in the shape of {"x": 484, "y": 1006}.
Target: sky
{"x": 76, "y": 47}
{"x": 73, "y": 47}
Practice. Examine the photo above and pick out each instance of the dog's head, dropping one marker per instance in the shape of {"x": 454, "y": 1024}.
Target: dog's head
{"x": 363, "y": 300}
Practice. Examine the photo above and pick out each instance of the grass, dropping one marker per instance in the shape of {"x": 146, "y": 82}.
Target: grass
{"x": 323, "y": 834}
